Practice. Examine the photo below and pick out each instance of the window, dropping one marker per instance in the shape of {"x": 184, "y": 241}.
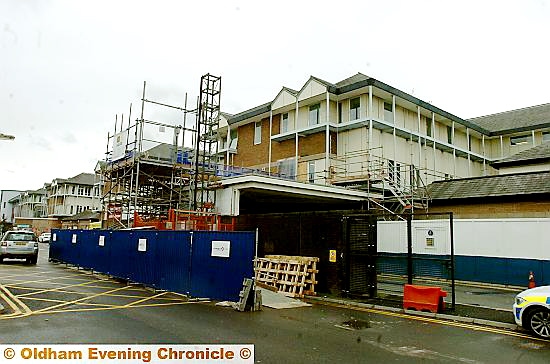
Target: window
{"x": 428, "y": 126}
{"x": 233, "y": 135}
{"x": 314, "y": 114}
{"x": 354, "y": 107}
{"x": 258, "y": 132}
{"x": 71, "y": 210}
{"x": 388, "y": 112}
{"x": 284, "y": 123}
{"x": 80, "y": 190}
{"x": 340, "y": 112}
{"x": 449, "y": 135}
{"x": 73, "y": 190}
{"x": 520, "y": 140}
{"x": 470, "y": 143}
{"x": 546, "y": 137}
{"x": 311, "y": 172}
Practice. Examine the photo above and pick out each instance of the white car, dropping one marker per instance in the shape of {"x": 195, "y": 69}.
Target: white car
{"x": 532, "y": 310}
{"x": 44, "y": 237}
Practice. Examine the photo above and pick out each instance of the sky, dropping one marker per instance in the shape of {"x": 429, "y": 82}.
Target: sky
{"x": 69, "y": 69}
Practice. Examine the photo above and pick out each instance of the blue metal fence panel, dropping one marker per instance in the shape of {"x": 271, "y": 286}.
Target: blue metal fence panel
{"x": 142, "y": 257}
{"x": 163, "y": 259}
{"x": 221, "y": 277}
{"x": 119, "y": 258}
{"x": 87, "y": 241}
{"x": 173, "y": 261}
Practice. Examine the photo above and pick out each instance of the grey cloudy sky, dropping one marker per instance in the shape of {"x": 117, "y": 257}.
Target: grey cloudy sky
{"x": 68, "y": 67}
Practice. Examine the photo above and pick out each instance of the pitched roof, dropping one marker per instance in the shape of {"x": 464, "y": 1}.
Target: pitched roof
{"x": 515, "y": 120}
{"x": 353, "y": 79}
{"x": 83, "y": 179}
{"x": 355, "y": 82}
{"x": 491, "y": 186}
{"x": 538, "y": 154}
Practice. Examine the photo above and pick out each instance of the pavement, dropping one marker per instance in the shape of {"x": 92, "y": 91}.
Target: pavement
{"x": 475, "y": 303}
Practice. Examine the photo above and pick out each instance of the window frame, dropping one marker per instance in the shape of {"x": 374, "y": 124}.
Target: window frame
{"x": 314, "y": 113}
{"x": 257, "y": 132}
{"x": 354, "y": 111}
{"x": 284, "y": 122}
{"x": 388, "y": 111}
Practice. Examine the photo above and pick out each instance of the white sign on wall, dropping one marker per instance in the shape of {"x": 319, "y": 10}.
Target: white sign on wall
{"x": 220, "y": 248}
{"x": 101, "y": 240}
{"x": 142, "y": 245}
{"x": 74, "y": 239}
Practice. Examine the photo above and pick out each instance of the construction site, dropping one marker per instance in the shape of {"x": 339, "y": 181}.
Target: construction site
{"x": 163, "y": 175}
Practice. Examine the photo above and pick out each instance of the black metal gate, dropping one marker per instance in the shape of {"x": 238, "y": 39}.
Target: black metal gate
{"x": 360, "y": 239}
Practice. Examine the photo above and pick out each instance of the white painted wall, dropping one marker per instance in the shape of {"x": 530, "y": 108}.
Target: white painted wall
{"x": 504, "y": 238}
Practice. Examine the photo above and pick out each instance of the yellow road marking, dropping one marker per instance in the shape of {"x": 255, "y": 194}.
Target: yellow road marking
{"x": 16, "y": 310}
{"x": 79, "y": 300}
{"x": 129, "y": 296}
{"x": 19, "y": 281}
{"x": 12, "y": 299}
{"x": 55, "y": 289}
{"x": 145, "y": 299}
{"x": 117, "y": 307}
{"x": 436, "y": 321}
{"x": 61, "y": 301}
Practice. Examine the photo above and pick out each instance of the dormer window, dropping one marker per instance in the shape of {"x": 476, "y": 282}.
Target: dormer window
{"x": 520, "y": 140}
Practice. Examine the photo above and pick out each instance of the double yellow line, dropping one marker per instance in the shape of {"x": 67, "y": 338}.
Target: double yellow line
{"x": 464, "y": 325}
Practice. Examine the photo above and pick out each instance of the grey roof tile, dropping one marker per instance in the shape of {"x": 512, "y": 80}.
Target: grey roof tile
{"x": 491, "y": 186}
{"x": 519, "y": 119}
{"x": 540, "y": 153}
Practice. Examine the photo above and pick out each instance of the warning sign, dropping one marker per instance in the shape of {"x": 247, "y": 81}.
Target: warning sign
{"x": 332, "y": 256}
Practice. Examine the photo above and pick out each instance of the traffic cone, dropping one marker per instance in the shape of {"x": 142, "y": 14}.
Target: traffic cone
{"x": 531, "y": 280}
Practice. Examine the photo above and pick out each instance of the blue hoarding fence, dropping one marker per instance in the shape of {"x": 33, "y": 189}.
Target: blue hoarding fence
{"x": 196, "y": 263}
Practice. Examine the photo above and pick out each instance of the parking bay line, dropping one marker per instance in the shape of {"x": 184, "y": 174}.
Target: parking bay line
{"x": 436, "y": 321}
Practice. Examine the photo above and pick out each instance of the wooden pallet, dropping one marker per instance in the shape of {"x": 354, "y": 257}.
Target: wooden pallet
{"x": 294, "y": 276}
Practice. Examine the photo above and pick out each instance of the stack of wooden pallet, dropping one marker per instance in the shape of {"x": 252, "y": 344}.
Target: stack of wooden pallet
{"x": 294, "y": 276}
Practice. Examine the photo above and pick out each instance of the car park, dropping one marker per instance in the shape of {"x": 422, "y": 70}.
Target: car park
{"x": 532, "y": 310}
{"x": 45, "y": 237}
{"x": 19, "y": 245}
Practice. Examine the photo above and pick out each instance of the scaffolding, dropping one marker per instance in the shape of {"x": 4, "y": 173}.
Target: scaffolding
{"x": 154, "y": 168}
{"x": 400, "y": 185}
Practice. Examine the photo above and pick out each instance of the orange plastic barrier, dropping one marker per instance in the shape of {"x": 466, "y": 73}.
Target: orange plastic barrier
{"x": 423, "y": 298}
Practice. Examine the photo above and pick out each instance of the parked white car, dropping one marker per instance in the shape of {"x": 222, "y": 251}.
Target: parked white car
{"x": 532, "y": 310}
{"x": 45, "y": 237}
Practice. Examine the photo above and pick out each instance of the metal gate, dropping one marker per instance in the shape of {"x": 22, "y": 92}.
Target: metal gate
{"x": 360, "y": 239}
